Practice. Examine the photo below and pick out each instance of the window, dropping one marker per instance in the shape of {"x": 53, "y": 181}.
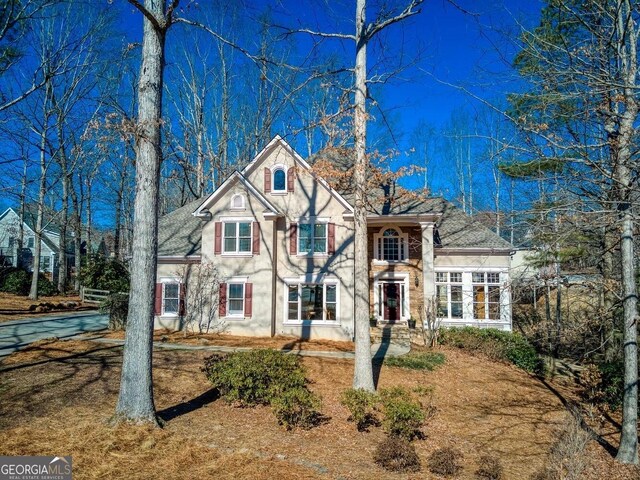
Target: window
{"x": 170, "y": 298}
{"x": 391, "y": 245}
{"x": 486, "y": 295}
{"x": 12, "y": 242}
{"x": 30, "y": 242}
{"x": 45, "y": 263}
{"x": 312, "y": 238}
{"x": 449, "y": 294}
{"x": 237, "y": 237}
{"x": 312, "y": 302}
{"x": 279, "y": 180}
{"x": 237, "y": 202}
{"x": 235, "y": 300}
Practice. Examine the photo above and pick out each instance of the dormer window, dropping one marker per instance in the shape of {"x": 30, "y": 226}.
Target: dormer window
{"x": 279, "y": 180}
{"x": 237, "y": 202}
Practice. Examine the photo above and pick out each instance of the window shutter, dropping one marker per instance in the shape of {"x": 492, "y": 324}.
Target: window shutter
{"x": 331, "y": 238}
{"x": 183, "y": 300}
{"x": 158, "y": 299}
{"x": 248, "y": 299}
{"x": 217, "y": 248}
{"x": 291, "y": 178}
{"x": 293, "y": 239}
{"x": 267, "y": 180}
{"x": 256, "y": 239}
{"x": 222, "y": 301}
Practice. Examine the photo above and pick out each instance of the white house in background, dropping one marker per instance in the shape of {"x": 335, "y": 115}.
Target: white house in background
{"x": 280, "y": 239}
{"x": 9, "y": 235}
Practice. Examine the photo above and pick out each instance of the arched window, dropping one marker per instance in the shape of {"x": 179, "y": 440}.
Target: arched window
{"x": 279, "y": 180}
{"x": 391, "y": 245}
{"x": 237, "y": 202}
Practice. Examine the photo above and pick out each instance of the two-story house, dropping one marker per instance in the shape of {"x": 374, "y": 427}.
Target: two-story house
{"x": 279, "y": 240}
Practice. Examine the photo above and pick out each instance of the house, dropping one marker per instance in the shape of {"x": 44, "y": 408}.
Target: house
{"x": 279, "y": 240}
{"x": 9, "y": 235}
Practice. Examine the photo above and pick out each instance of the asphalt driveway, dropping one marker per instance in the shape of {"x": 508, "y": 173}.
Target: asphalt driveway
{"x": 17, "y": 334}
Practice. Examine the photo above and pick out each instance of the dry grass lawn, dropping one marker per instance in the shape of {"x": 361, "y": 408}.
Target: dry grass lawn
{"x": 279, "y": 342}
{"x": 16, "y": 307}
{"x": 57, "y": 398}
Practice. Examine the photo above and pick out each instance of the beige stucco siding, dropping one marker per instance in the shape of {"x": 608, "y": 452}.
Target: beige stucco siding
{"x": 478, "y": 261}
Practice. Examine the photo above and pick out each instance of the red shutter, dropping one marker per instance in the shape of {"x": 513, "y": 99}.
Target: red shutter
{"x": 217, "y": 248}
{"x": 291, "y": 178}
{"x": 158, "y": 299}
{"x": 331, "y": 239}
{"x": 222, "y": 301}
{"x": 293, "y": 239}
{"x": 256, "y": 238}
{"x": 267, "y": 180}
{"x": 248, "y": 299}
{"x": 183, "y": 297}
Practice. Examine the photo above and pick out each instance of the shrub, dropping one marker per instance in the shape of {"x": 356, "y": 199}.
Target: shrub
{"x": 489, "y": 468}
{"x": 445, "y": 462}
{"x": 403, "y": 414}
{"x": 105, "y": 274}
{"x": 397, "y": 455}
{"x": 496, "y": 344}
{"x": 296, "y": 407}
{"x": 18, "y": 282}
{"x": 361, "y": 405}
{"x": 256, "y": 377}
{"x": 117, "y": 306}
{"x": 417, "y": 361}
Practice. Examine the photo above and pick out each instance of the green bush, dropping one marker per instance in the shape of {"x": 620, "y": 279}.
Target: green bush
{"x": 445, "y": 461}
{"x": 117, "y": 306}
{"x": 256, "y": 377}
{"x": 397, "y": 455}
{"x": 403, "y": 413}
{"x": 496, "y": 344}
{"x": 296, "y": 407}
{"x": 417, "y": 361}
{"x": 105, "y": 273}
{"x": 361, "y": 405}
{"x": 18, "y": 282}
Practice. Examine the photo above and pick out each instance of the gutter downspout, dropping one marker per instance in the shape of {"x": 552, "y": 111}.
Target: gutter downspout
{"x": 274, "y": 277}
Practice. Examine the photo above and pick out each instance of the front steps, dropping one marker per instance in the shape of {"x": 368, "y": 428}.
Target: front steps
{"x": 396, "y": 334}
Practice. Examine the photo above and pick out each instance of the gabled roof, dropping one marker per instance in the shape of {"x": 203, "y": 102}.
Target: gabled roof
{"x": 179, "y": 232}
{"x": 222, "y": 189}
{"x": 31, "y": 226}
{"x": 278, "y": 140}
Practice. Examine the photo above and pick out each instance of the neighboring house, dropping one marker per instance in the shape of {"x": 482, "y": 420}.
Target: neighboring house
{"x": 9, "y": 236}
{"x": 280, "y": 241}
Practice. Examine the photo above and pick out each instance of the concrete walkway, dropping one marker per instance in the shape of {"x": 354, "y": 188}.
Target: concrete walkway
{"x": 378, "y": 351}
{"x": 16, "y": 334}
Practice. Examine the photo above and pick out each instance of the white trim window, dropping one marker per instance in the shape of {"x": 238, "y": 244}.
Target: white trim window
{"x": 312, "y": 238}
{"x": 237, "y": 237}
{"x": 170, "y": 298}
{"x": 391, "y": 245}
{"x": 235, "y": 299}
{"x": 486, "y": 295}
{"x": 237, "y": 202}
{"x": 449, "y": 295}
{"x": 316, "y": 302}
{"x": 279, "y": 179}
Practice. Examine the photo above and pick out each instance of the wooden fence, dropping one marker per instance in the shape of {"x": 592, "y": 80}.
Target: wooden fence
{"x": 92, "y": 295}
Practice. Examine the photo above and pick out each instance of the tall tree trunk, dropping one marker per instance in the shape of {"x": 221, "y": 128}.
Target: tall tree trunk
{"x": 23, "y": 201}
{"x": 135, "y": 402}
{"x": 363, "y": 373}
{"x": 77, "y": 238}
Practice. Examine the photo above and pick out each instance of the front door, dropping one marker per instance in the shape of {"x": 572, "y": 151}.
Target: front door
{"x": 391, "y": 301}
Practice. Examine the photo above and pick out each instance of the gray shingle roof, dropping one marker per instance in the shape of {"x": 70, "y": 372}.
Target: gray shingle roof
{"x": 179, "y": 232}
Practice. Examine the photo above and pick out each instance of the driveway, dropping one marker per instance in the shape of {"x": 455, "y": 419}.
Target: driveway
{"x": 19, "y": 333}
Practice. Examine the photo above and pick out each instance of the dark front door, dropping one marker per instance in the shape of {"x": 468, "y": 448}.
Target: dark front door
{"x": 391, "y": 301}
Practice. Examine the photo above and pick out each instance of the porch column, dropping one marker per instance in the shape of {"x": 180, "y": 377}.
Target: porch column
{"x": 428, "y": 276}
